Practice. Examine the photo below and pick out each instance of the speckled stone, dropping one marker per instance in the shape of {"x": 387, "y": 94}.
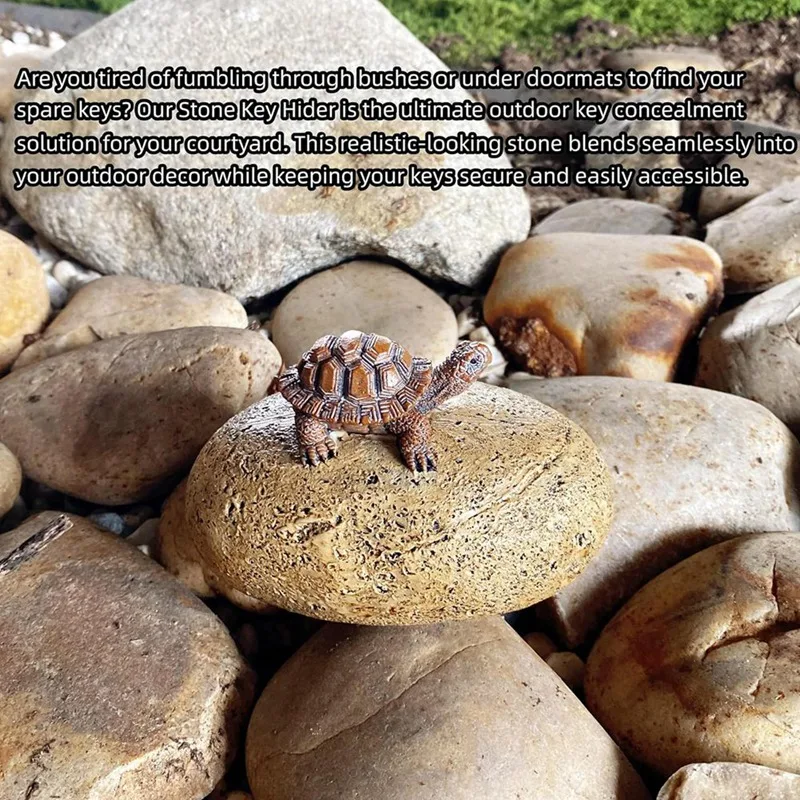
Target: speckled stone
{"x": 519, "y": 505}
{"x": 117, "y": 684}
{"x": 365, "y": 296}
{"x": 701, "y": 665}
{"x": 114, "y": 421}
{"x": 250, "y": 241}
{"x": 461, "y": 711}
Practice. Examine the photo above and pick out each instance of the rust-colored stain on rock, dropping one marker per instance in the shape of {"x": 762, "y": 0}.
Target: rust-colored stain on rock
{"x": 534, "y": 346}
{"x": 658, "y": 327}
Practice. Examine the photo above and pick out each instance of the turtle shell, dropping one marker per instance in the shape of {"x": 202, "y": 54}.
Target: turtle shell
{"x": 357, "y": 379}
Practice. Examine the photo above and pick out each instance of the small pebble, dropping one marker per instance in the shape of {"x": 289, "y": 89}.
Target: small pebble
{"x": 72, "y": 276}
{"x": 541, "y": 643}
{"x": 20, "y": 37}
{"x": 108, "y": 520}
{"x": 58, "y": 294}
{"x": 145, "y": 533}
{"x": 145, "y": 548}
{"x": 569, "y": 668}
{"x": 46, "y": 254}
{"x": 467, "y": 322}
{"x": 797, "y": 80}
{"x": 482, "y": 334}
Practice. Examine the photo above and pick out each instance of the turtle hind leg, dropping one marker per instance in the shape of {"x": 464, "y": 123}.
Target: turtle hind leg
{"x": 314, "y": 440}
{"x": 413, "y": 431}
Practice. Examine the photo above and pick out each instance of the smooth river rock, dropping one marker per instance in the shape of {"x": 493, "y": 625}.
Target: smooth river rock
{"x": 365, "y": 296}
{"x": 460, "y": 711}
{"x": 122, "y": 304}
{"x": 10, "y": 479}
{"x": 253, "y": 240}
{"x": 602, "y": 304}
{"x": 519, "y": 505}
{"x": 689, "y": 466}
{"x": 24, "y": 299}
{"x": 763, "y": 172}
{"x": 615, "y": 215}
{"x": 702, "y": 664}
{"x": 730, "y": 781}
{"x": 114, "y": 421}
{"x": 117, "y": 683}
{"x": 647, "y": 59}
{"x": 759, "y": 243}
{"x": 754, "y": 351}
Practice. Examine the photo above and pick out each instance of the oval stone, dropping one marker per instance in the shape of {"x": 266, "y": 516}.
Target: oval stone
{"x": 520, "y": 503}
{"x": 112, "y": 422}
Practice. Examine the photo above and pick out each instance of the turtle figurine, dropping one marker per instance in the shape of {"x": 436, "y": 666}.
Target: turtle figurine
{"x": 365, "y": 383}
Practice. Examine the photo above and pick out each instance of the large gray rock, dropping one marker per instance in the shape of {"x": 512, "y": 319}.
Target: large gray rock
{"x": 250, "y": 241}
{"x": 690, "y": 467}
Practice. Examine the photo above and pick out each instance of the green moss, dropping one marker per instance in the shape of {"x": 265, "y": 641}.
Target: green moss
{"x": 472, "y": 30}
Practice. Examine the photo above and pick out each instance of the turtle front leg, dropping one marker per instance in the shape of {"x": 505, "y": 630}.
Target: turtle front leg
{"x": 413, "y": 431}
{"x": 314, "y": 440}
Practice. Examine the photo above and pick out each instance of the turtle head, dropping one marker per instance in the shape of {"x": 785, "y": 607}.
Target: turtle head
{"x": 456, "y": 373}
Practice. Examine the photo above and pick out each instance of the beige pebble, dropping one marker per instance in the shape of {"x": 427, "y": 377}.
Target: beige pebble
{"x": 569, "y": 667}
{"x": 10, "y": 479}
{"x": 541, "y": 643}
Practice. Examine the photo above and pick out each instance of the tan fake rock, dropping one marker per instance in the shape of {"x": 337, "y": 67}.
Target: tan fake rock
{"x": 759, "y": 243}
{"x": 462, "y": 710}
{"x": 730, "y": 781}
{"x": 754, "y": 351}
{"x": 365, "y": 296}
{"x": 646, "y": 59}
{"x": 117, "y": 683}
{"x": 176, "y": 551}
{"x": 120, "y": 305}
{"x": 609, "y": 215}
{"x": 668, "y": 196}
{"x": 518, "y": 506}
{"x": 689, "y": 466}
{"x": 602, "y": 304}
{"x": 10, "y": 479}
{"x": 763, "y": 172}
{"x": 24, "y": 299}
{"x": 702, "y": 664}
{"x": 114, "y": 421}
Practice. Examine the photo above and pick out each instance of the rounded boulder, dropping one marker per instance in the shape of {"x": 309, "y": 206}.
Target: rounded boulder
{"x": 519, "y": 505}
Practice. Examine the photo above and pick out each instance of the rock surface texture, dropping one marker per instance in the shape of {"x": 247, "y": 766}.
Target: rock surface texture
{"x": 117, "y": 684}
{"x": 730, "y": 781}
{"x": 251, "y": 241}
{"x": 689, "y": 467}
{"x": 458, "y": 711}
{"x": 702, "y": 664}
{"x": 519, "y": 505}
{"x": 114, "y": 421}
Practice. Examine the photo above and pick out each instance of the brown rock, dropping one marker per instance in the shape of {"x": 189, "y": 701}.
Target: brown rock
{"x": 114, "y": 421}
{"x": 602, "y": 304}
{"x": 24, "y": 299}
{"x": 458, "y": 711}
{"x": 121, "y": 305}
{"x": 702, "y": 664}
{"x": 689, "y": 466}
{"x": 729, "y": 781}
{"x": 117, "y": 684}
{"x": 519, "y": 505}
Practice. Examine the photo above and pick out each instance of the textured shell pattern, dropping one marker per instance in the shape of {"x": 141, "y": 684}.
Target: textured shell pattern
{"x": 356, "y": 379}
